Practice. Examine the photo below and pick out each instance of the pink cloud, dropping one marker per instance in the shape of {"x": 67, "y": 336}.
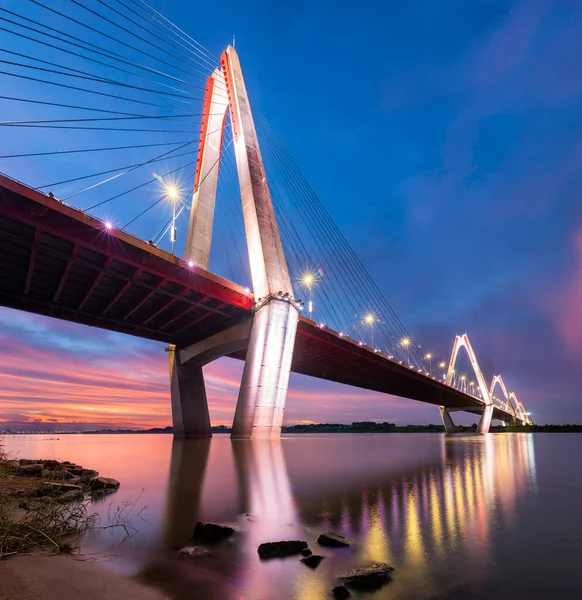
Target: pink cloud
{"x": 58, "y": 372}
{"x": 565, "y": 304}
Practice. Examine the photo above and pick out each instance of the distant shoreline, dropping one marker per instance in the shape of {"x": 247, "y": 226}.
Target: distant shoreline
{"x": 357, "y": 427}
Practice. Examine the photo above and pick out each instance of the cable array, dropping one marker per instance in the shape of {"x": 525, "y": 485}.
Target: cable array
{"x": 102, "y": 91}
{"x": 102, "y": 105}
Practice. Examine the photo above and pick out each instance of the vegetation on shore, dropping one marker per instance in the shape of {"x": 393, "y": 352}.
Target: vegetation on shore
{"x": 45, "y": 504}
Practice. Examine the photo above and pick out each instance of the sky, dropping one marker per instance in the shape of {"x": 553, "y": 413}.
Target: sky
{"x": 443, "y": 138}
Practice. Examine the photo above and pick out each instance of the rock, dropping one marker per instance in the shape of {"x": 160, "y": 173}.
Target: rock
{"x": 88, "y": 474}
{"x": 312, "y": 561}
{"x": 306, "y": 552}
{"x": 194, "y": 552}
{"x": 281, "y": 549}
{"x": 74, "y": 470}
{"x": 368, "y": 578}
{"x": 50, "y": 488}
{"x": 340, "y": 592}
{"x": 105, "y": 484}
{"x": 71, "y": 496}
{"x": 51, "y": 465}
{"x": 211, "y": 533}
{"x": 62, "y": 474}
{"x": 33, "y": 469}
{"x": 333, "y": 540}
{"x": 27, "y": 461}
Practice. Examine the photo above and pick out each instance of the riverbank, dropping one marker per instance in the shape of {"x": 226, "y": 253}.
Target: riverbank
{"x": 51, "y": 577}
{"x": 44, "y": 504}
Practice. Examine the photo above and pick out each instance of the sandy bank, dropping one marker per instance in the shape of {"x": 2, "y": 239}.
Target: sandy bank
{"x": 45, "y": 577}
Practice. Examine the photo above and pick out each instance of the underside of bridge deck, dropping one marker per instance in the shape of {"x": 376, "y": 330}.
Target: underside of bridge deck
{"x": 62, "y": 263}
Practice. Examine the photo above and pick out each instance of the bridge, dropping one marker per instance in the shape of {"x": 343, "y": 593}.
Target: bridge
{"x": 72, "y": 264}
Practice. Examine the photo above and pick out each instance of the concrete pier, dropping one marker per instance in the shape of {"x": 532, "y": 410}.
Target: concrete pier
{"x": 190, "y": 415}
{"x": 450, "y": 426}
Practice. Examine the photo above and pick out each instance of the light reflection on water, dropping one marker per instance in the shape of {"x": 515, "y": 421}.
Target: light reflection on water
{"x": 453, "y": 515}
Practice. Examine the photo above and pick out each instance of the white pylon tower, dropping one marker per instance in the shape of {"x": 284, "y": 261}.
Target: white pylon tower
{"x": 263, "y": 390}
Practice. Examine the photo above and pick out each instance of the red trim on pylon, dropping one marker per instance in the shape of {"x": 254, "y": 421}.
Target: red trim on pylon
{"x": 204, "y": 129}
{"x": 234, "y": 116}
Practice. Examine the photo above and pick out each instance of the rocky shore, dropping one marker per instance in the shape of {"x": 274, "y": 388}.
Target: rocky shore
{"x": 44, "y": 504}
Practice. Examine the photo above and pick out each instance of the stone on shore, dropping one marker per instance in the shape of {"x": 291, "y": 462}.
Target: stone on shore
{"x": 333, "y": 540}
{"x": 281, "y": 549}
{"x": 312, "y": 561}
{"x": 211, "y": 533}
{"x": 34, "y": 469}
{"x": 51, "y": 465}
{"x": 75, "y": 470}
{"x": 306, "y": 552}
{"x": 340, "y": 592}
{"x": 194, "y": 552}
{"x": 71, "y": 496}
{"x": 88, "y": 474}
{"x": 51, "y": 488}
{"x": 368, "y": 578}
{"x": 103, "y": 484}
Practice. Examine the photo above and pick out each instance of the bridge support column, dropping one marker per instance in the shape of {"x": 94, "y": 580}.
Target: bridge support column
{"x": 485, "y": 420}
{"x": 450, "y": 427}
{"x": 263, "y": 390}
{"x": 190, "y": 415}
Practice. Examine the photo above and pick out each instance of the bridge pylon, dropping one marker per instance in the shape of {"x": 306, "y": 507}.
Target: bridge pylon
{"x": 263, "y": 390}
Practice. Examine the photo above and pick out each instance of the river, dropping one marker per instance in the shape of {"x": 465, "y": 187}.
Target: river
{"x": 458, "y": 517}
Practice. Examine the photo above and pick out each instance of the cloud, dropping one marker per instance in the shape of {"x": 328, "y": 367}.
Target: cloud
{"x": 565, "y": 304}
{"x": 54, "y": 371}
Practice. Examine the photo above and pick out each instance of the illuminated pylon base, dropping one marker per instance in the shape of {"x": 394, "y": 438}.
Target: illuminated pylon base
{"x": 482, "y": 427}
{"x": 263, "y": 390}
{"x": 450, "y": 426}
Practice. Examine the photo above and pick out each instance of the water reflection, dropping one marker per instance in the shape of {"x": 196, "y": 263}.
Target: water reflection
{"x": 454, "y": 515}
{"x": 187, "y": 470}
{"x": 442, "y": 507}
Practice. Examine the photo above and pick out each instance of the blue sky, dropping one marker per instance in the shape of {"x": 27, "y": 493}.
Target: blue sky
{"x": 444, "y": 139}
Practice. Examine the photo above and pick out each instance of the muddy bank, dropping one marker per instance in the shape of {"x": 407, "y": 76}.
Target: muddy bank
{"x": 51, "y": 577}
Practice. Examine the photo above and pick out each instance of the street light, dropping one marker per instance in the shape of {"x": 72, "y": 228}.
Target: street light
{"x": 307, "y": 281}
{"x": 173, "y": 194}
{"x": 442, "y": 365}
{"x": 429, "y": 358}
{"x": 406, "y": 343}
{"x": 370, "y": 319}
{"x": 463, "y": 385}
{"x": 472, "y": 384}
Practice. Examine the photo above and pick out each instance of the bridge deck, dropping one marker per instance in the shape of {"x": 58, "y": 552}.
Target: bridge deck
{"x": 61, "y": 262}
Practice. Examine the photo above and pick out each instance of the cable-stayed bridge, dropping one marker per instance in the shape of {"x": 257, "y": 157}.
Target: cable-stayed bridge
{"x": 103, "y": 83}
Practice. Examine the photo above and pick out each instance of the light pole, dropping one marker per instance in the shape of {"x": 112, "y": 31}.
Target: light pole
{"x": 369, "y": 320}
{"x": 442, "y": 365}
{"x": 472, "y": 389}
{"x": 172, "y": 192}
{"x": 406, "y": 344}
{"x": 429, "y": 358}
{"x": 308, "y": 283}
{"x": 463, "y": 384}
